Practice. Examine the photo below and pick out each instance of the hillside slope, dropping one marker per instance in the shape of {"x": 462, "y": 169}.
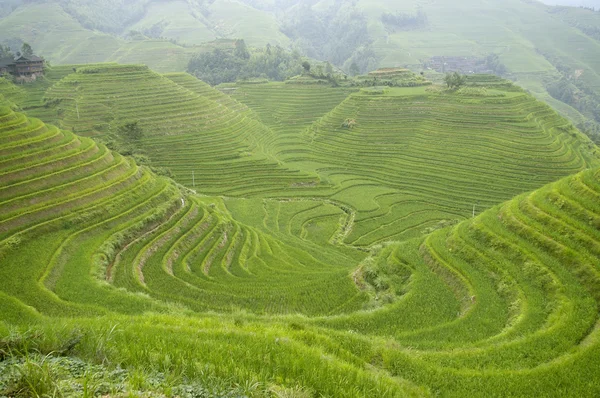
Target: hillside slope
{"x": 101, "y": 256}
{"x": 207, "y": 140}
{"x": 410, "y": 161}
{"x": 65, "y": 195}
{"x": 537, "y": 45}
{"x": 417, "y": 159}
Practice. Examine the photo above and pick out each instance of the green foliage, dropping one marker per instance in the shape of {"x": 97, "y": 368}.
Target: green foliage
{"x": 5, "y": 52}
{"x": 405, "y": 21}
{"x": 577, "y": 94}
{"x": 306, "y": 66}
{"x": 363, "y": 60}
{"x": 26, "y": 50}
{"x": 222, "y": 66}
{"x": 131, "y": 131}
{"x": 241, "y": 50}
{"x": 494, "y": 64}
{"x": 454, "y": 80}
{"x": 335, "y": 33}
{"x": 33, "y": 379}
{"x": 349, "y": 124}
{"x": 389, "y": 77}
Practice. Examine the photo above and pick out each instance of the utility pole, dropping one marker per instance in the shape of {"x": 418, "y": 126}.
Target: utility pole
{"x": 193, "y": 179}
{"x": 77, "y": 107}
{"x": 475, "y": 204}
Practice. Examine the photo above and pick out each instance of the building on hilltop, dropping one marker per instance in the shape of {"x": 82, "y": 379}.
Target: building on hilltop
{"x": 23, "y": 66}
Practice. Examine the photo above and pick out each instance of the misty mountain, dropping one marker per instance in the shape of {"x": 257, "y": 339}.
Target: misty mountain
{"x": 573, "y": 3}
{"x": 531, "y": 43}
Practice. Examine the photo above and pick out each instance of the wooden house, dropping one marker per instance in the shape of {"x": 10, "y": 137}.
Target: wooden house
{"x": 22, "y": 66}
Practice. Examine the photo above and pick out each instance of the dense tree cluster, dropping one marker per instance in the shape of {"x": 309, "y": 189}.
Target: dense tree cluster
{"x": 25, "y": 49}
{"x": 573, "y": 89}
{"x": 493, "y": 64}
{"x": 336, "y": 34}
{"x": 455, "y": 80}
{"x": 574, "y": 92}
{"x": 131, "y": 131}
{"x": 230, "y": 65}
{"x": 5, "y": 51}
{"x": 363, "y": 60}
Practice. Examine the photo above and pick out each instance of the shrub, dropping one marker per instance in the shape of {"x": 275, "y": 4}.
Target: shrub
{"x": 349, "y": 124}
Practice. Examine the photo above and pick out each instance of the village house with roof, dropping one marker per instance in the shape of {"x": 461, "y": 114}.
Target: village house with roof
{"x": 23, "y": 66}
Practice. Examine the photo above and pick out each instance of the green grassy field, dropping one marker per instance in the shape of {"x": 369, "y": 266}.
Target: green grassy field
{"x": 62, "y": 39}
{"x": 122, "y": 267}
{"x": 212, "y": 140}
{"x": 309, "y": 259}
{"x": 419, "y": 158}
{"x": 57, "y": 36}
{"x": 294, "y": 239}
{"x": 286, "y": 140}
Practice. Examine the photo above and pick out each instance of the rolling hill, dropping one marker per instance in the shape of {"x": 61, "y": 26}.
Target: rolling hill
{"x": 159, "y": 291}
{"x": 536, "y": 43}
{"x": 415, "y": 159}
{"x": 295, "y": 239}
{"x": 418, "y": 158}
{"x": 203, "y": 136}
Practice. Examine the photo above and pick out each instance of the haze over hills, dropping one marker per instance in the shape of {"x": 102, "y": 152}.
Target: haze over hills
{"x": 536, "y": 45}
{"x": 573, "y": 3}
{"x": 306, "y": 226}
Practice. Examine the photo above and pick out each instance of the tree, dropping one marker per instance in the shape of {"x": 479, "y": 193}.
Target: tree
{"x": 5, "y": 52}
{"x": 455, "y": 80}
{"x": 241, "y": 50}
{"x": 319, "y": 71}
{"x": 306, "y": 66}
{"x": 492, "y": 62}
{"x": 354, "y": 69}
{"x": 333, "y": 33}
{"x": 131, "y": 131}
{"x": 26, "y": 50}
{"x": 328, "y": 69}
{"x": 218, "y": 66}
{"x": 225, "y": 66}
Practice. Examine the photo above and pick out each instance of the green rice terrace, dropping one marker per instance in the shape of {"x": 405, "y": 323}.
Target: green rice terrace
{"x": 313, "y": 241}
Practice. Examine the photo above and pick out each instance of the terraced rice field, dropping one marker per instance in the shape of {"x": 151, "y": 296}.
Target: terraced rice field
{"x": 206, "y": 139}
{"x": 200, "y": 253}
{"x": 347, "y": 263}
{"x": 418, "y": 159}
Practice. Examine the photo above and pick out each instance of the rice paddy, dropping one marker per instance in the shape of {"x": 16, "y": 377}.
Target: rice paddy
{"x": 313, "y": 242}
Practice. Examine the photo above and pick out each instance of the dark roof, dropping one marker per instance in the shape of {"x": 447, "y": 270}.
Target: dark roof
{"x": 33, "y": 58}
